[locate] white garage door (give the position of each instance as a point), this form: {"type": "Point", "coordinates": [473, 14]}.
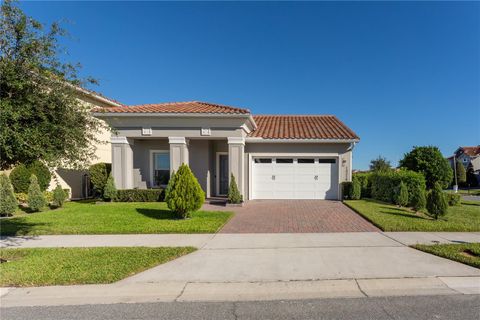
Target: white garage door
{"type": "Point", "coordinates": [294, 178]}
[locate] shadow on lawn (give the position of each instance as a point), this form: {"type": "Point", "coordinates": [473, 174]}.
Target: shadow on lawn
{"type": "Point", "coordinates": [17, 227]}
{"type": "Point", "coordinates": [471, 204]}
{"type": "Point", "coordinates": [402, 213]}
{"type": "Point", "coordinates": [159, 214]}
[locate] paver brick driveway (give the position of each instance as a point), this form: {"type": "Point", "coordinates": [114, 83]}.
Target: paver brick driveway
{"type": "Point", "coordinates": [295, 216]}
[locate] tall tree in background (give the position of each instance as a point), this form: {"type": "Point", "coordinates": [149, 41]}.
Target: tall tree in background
{"type": "Point", "coordinates": [431, 163]}
{"type": "Point", "coordinates": [471, 177]}
{"type": "Point", "coordinates": [380, 164]}
{"type": "Point", "coordinates": [461, 173]}
{"type": "Point", "coordinates": [40, 115]}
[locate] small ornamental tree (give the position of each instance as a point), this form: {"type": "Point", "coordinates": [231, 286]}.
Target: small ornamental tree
{"type": "Point", "coordinates": [401, 195]}
{"type": "Point", "coordinates": [437, 204]}
{"type": "Point", "coordinates": [8, 202]}
{"type": "Point", "coordinates": [461, 174]}
{"type": "Point", "coordinates": [356, 191]}
{"type": "Point", "coordinates": [184, 194]}
{"type": "Point", "coordinates": [380, 164]}
{"type": "Point", "coordinates": [234, 195]}
{"type": "Point", "coordinates": [110, 191]}
{"type": "Point", "coordinates": [418, 199]}
{"type": "Point", "coordinates": [36, 198]}
{"type": "Point", "coordinates": [59, 197]}
{"type": "Point", "coordinates": [430, 162]}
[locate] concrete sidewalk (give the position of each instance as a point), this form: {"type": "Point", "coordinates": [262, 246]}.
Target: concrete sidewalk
{"type": "Point", "coordinates": [236, 291]}
{"type": "Point", "coordinates": [256, 240]}
{"type": "Point", "coordinates": [265, 267]}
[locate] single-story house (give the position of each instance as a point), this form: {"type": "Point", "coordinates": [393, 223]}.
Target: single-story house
{"type": "Point", "coordinates": [271, 156]}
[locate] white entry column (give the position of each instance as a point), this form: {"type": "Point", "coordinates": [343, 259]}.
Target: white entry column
{"type": "Point", "coordinates": [236, 156]}
{"type": "Point", "coordinates": [122, 162]}
{"type": "Point", "coordinates": [178, 152]}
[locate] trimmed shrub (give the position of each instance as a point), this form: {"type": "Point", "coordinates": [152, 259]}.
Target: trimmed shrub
{"type": "Point", "coordinates": [234, 195]}
{"type": "Point", "coordinates": [437, 204]}
{"type": "Point", "coordinates": [140, 195]}
{"type": "Point", "coordinates": [36, 198]}
{"type": "Point", "coordinates": [385, 183]}
{"type": "Point", "coordinates": [59, 197]}
{"type": "Point", "coordinates": [365, 183]}
{"type": "Point", "coordinates": [418, 198]}
{"type": "Point", "coordinates": [99, 173]}
{"type": "Point", "coordinates": [21, 197]}
{"type": "Point", "coordinates": [401, 195]}
{"type": "Point", "coordinates": [453, 199]}
{"type": "Point", "coordinates": [110, 191]}
{"type": "Point", "coordinates": [356, 193]}
{"type": "Point", "coordinates": [20, 176]}
{"type": "Point", "coordinates": [8, 202]}
{"type": "Point", "coordinates": [347, 190]}
{"type": "Point", "coordinates": [184, 194]}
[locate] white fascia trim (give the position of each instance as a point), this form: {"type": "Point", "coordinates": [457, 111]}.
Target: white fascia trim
{"type": "Point", "coordinates": [174, 115]}
{"type": "Point", "coordinates": [236, 140]}
{"type": "Point", "coordinates": [262, 140]}
{"type": "Point", "coordinates": [119, 140]}
{"type": "Point", "coordinates": [97, 97]}
{"type": "Point", "coordinates": [178, 140]}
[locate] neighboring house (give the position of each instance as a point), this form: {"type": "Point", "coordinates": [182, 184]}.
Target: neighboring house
{"type": "Point", "coordinates": [77, 181]}
{"type": "Point", "coordinates": [271, 156]}
{"type": "Point", "coordinates": [468, 156]}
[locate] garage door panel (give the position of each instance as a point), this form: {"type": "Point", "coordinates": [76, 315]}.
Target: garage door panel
{"type": "Point", "coordinates": [294, 179]}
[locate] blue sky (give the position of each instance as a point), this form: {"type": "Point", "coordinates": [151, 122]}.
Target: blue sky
{"type": "Point", "coordinates": [399, 74]}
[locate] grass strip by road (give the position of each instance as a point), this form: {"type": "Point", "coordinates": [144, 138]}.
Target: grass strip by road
{"type": "Point", "coordinates": [388, 217]}
{"type": "Point", "coordinates": [112, 218]}
{"type": "Point", "coordinates": [71, 266]}
{"type": "Point", "coordinates": [467, 253]}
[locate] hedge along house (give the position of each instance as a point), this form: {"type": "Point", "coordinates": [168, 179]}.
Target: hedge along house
{"type": "Point", "coordinates": [271, 156]}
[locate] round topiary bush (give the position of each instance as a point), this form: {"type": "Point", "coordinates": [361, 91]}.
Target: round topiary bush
{"type": "Point", "coordinates": [20, 176]}
{"type": "Point", "coordinates": [437, 204]}
{"type": "Point", "coordinates": [184, 194]}
{"type": "Point", "coordinates": [99, 173]}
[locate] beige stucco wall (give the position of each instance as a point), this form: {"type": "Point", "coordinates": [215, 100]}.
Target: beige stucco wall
{"type": "Point", "coordinates": [73, 179]}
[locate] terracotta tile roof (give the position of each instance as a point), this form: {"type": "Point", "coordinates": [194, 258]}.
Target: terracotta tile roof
{"type": "Point", "coordinates": [301, 127]}
{"type": "Point", "coordinates": [179, 107]}
{"type": "Point", "coordinates": [471, 151]}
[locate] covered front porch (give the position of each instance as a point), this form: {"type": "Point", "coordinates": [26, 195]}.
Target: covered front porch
{"type": "Point", "coordinates": [148, 162]}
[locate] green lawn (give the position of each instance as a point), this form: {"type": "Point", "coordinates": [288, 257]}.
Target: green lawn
{"type": "Point", "coordinates": [391, 218]}
{"type": "Point", "coordinates": [112, 218]}
{"type": "Point", "coordinates": [69, 266]}
{"type": "Point", "coordinates": [468, 253]}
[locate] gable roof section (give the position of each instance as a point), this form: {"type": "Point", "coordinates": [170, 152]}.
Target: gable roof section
{"type": "Point", "coordinates": [301, 127]}
{"type": "Point", "coordinates": [471, 151]}
{"type": "Point", "coordinates": [180, 107]}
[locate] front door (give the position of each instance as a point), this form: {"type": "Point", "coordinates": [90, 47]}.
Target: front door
{"type": "Point", "coordinates": [223, 174]}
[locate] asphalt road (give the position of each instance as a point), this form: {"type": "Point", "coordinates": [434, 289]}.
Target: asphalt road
{"type": "Point", "coordinates": [418, 307]}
